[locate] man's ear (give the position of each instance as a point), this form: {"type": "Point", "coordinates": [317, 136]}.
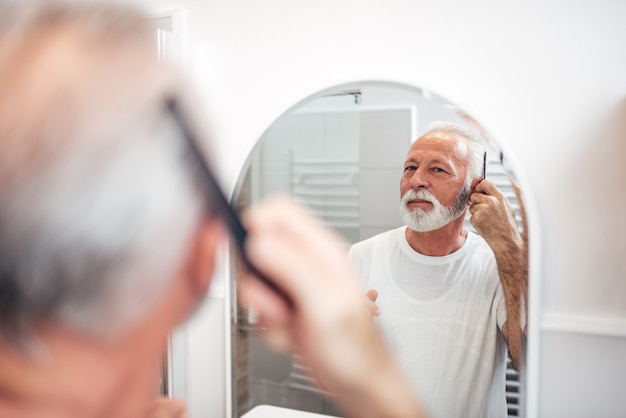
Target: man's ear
{"type": "Point", "coordinates": [201, 262]}
{"type": "Point", "coordinates": [475, 183]}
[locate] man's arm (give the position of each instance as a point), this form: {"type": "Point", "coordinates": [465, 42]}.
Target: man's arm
{"type": "Point", "coordinates": [494, 219]}
{"type": "Point", "coordinates": [327, 324]}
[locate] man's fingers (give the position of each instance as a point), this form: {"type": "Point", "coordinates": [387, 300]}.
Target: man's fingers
{"type": "Point", "coordinates": [478, 198]}
{"type": "Point", "coordinates": [273, 312]}
{"type": "Point", "coordinates": [277, 336]}
{"type": "Point", "coordinates": [372, 294]}
{"type": "Point", "coordinates": [257, 296]}
{"type": "Point", "coordinates": [487, 187]}
{"type": "Point", "coordinates": [290, 246]}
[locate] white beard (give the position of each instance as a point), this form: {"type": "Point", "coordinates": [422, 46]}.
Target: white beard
{"type": "Point", "coordinates": [421, 220]}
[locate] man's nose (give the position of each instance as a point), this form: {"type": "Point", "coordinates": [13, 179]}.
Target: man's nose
{"type": "Point", "coordinates": [419, 179]}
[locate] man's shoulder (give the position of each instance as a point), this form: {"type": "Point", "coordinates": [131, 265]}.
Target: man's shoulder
{"type": "Point", "coordinates": [368, 243]}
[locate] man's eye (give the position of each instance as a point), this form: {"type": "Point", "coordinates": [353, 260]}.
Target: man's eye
{"type": "Point", "coordinates": [410, 168]}
{"type": "Point", "coordinates": [438, 170]}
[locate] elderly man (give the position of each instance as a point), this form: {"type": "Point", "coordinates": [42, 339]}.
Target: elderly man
{"type": "Point", "coordinates": [443, 306]}
{"type": "Point", "coordinates": [108, 241]}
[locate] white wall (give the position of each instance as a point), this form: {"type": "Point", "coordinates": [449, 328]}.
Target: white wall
{"type": "Point", "coordinates": [545, 78]}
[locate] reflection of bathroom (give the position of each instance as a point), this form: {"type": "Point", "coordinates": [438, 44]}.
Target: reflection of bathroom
{"type": "Point", "coordinates": [341, 154]}
{"type": "Point", "coordinates": [544, 78]}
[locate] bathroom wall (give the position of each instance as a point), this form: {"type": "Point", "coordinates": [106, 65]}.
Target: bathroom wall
{"type": "Point", "coordinates": [545, 78]}
{"type": "Point", "coordinates": [344, 158]}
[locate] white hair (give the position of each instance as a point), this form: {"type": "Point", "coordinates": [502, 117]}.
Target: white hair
{"type": "Point", "coordinates": [474, 142]}
{"type": "Point", "coordinates": [98, 200]}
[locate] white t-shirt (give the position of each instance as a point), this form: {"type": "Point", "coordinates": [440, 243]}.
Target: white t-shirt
{"type": "Point", "coordinates": [441, 316]}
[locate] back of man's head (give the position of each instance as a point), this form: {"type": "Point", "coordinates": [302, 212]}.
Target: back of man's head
{"type": "Point", "coordinates": [97, 200]}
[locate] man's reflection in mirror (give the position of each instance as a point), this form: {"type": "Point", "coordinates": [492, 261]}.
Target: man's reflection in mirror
{"type": "Point", "coordinates": [449, 299]}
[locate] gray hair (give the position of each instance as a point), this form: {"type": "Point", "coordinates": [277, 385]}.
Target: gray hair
{"type": "Point", "coordinates": [475, 146]}
{"type": "Point", "coordinates": [98, 201]}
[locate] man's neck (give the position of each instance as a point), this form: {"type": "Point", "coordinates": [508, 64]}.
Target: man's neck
{"type": "Point", "coordinates": [440, 242]}
{"type": "Point", "coordinates": [69, 375]}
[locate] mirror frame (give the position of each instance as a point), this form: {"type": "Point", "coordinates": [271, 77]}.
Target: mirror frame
{"type": "Point", "coordinates": [530, 372]}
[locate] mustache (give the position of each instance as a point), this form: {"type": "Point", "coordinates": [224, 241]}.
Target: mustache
{"type": "Point", "coordinates": [418, 195]}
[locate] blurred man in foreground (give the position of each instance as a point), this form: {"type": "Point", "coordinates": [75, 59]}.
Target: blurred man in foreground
{"type": "Point", "coordinates": [107, 241]}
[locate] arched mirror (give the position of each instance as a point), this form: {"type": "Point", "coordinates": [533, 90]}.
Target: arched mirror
{"type": "Point", "coordinates": [341, 152]}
